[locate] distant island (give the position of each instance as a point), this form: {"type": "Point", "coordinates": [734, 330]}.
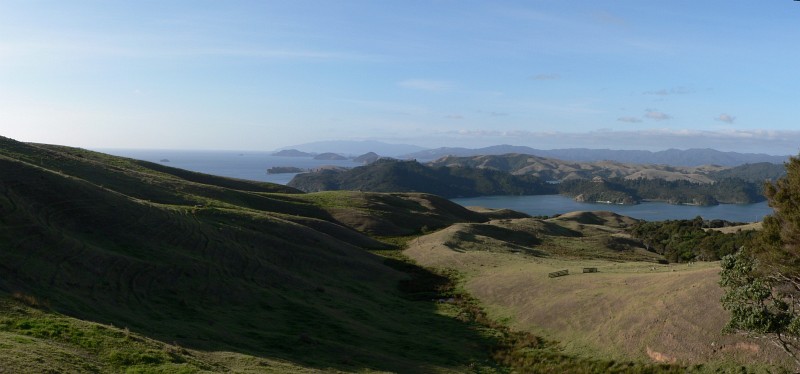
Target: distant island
{"type": "Point", "coordinates": [329, 156]}
{"type": "Point", "coordinates": [367, 158]}
{"type": "Point", "coordinates": [292, 153]}
{"type": "Point", "coordinates": [164, 160]}
{"type": "Point", "coordinates": [284, 170]}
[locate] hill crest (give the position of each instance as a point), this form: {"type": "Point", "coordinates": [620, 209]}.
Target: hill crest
{"type": "Point", "coordinates": [673, 157]}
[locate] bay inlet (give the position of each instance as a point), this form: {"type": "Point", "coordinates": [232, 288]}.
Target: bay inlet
{"type": "Point", "coordinates": [548, 205]}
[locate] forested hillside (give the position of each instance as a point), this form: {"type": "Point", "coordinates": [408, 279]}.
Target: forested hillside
{"type": "Point", "coordinates": [528, 175]}
{"type": "Point", "coordinates": [410, 176]}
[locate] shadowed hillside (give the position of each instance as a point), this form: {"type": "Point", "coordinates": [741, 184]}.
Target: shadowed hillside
{"type": "Point", "coordinates": [114, 265]}
{"type": "Point", "coordinates": [213, 265]}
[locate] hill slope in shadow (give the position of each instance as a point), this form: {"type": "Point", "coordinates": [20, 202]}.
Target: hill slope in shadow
{"type": "Point", "coordinates": [216, 265]}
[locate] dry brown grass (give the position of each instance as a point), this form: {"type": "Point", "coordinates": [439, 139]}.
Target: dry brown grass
{"type": "Point", "coordinates": [602, 218]}
{"type": "Point", "coordinates": [627, 311]}
{"type": "Point", "coordinates": [733, 229]}
{"type": "Point", "coordinates": [670, 176]}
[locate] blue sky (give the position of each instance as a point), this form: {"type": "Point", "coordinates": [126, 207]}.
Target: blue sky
{"type": "Point", "coordinates": [259, 75]}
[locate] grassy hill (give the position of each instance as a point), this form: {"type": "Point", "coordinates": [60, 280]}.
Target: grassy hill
{"type": "Point", "coordinates": [635, 307]}
{"type": "Point", "coordinates": [110, 264]}
{"type": "Point", "coordinates": [554, 169]}
{"type": "Point", "coordinates": [674, 157]}
{"type": "Point", "coordinates": [219, 267]}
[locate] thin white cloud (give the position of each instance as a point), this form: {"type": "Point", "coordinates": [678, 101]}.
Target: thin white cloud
{"type": "Point", "coordinates": [389, 106]}
{"type": "Point", "coordinates": [274, 53]}
{"type": "Point", "coordinates": [629, 119]}
{"type": "Point", "coordinates": [454, 116]}
{"type": "Point", "coordinates": [656, 115]}
{"type": "Point", "coordinates": [727, 118]}
{"type": "Point", "coordinates": [425, 85]}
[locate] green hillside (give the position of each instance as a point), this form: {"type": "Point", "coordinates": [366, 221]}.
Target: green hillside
{"type": "Point", "coordinates": [387, 175]}
{"type": "Point", "coordinates": [115, 265]}
{"type": "Point", "coordinates": [178, 261]}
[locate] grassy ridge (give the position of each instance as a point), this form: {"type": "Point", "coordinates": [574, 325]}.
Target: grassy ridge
{"type": "Point", "coordinates": [216, 269]}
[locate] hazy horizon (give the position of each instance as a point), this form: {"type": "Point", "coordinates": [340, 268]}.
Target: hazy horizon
{"type": "Point", "coordinates": [267, 75]}
{"type": "Point", "coordinates": [313, 147]}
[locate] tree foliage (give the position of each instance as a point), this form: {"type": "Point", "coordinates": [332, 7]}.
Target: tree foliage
{"type": "Point", "coordinates": [689, 240]}
{"type": "Point", "coordinates": [762, 282]}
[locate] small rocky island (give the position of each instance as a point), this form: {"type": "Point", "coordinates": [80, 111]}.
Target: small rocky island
{"type": "Point", "coordinates": [284, 170]}
{"type": "Point", "coordinates": [292, 153]}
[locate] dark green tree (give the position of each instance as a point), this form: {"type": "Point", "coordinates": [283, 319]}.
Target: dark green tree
{"type": "Point", "coordinates": [762, 281]}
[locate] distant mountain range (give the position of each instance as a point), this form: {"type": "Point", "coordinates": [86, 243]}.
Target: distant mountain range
{"type": "Point", "coordinates": [355, 148]}
{"type": "Point", "coordinates": [675, 157]}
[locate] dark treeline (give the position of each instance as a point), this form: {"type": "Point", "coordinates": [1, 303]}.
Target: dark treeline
{"type": "Point", "coordinates": [690, 240]}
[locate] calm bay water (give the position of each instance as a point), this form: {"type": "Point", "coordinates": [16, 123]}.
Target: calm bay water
{"type": "Point", "coordinates": [548, 205]}
{"type": "Point", "coordinates": [243, 165]}
{"type": "Point", "coordinates": [254, 165]}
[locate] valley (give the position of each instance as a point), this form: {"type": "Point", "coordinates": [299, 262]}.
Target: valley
{"type": "Point", "coordinates": [390, 187]}
{"type": "Point", "coordinates": [632, 308]}
{"type": "Point", "coordinates": [113, 264]}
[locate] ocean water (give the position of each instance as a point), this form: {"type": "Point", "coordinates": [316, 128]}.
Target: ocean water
{"type": "Point", "coordinates": [548, 205]}
{"type": "Point", "coordinates": [234, 164]}
{"type": "Point", "coordinates": [254, 165]}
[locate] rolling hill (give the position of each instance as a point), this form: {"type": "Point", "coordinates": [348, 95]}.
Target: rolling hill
{"type": "Point", "coordinates": [633, 306]}
{"type": "Point", "coordinates": [561, 170]}
{"type": "Point", "coordinates": [195, 269]}
{"type": "Point", "coordinates": [387, 175]}
{"type": "Point", "coordinates": [113, 265]}
{"type": "Point", "coordinates": [520, 174]}
{"type": "Point", "coordinates": [673, 157]}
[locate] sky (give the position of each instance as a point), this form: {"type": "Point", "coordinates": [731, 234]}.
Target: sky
{"type": "Point", "coordinates": [261, 75]}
